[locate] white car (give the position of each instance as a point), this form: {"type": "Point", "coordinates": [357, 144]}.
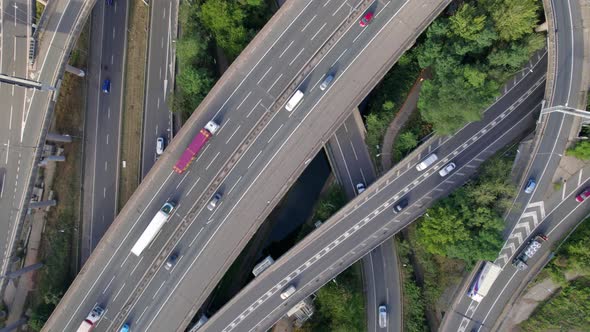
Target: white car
{"type": "Point", "coordinates": [213, 202]}
{"type": "Point", "coordinates": [160, 145]}
{"type": "Point", "coordinates": [360, 187]}
{"type": "Point", "coordinates": [382, 316]}
{"type": "Point", "coordinates": [288, 292]}
{"type": "Point", "coordinates": [447, 169]}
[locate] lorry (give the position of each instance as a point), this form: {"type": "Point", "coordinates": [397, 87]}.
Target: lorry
{"type": "Point", "coordinates": [153, 228]}
{"type": "Point", "coordinates": [529, 251]}
{"type": "Point", "coordinates": [483, 281]}
{"type": "Point", "coordinates": [91, 320]}
{"type": "Point", "coordinates": [190, 153]}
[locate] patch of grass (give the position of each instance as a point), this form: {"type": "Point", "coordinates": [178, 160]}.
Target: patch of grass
{"type": "Point", "coordinates": [329, 203]}
{"type": "Point", "coordinates": [568, 310]}
{"type": "Point", "coordinates": [39, 8]}
{"type": "Point", "coordinates": [414, 310]}
{"type": "Point", "coordinates": [132, 120]}
{"type": "Point", "coordinates": [59, 244]}
{"type": "Point", "coordinates": [557, 185]}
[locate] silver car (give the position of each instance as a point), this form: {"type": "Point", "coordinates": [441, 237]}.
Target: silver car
{"type": "Point", "coordinates": [382, 316]}
{"type": "Point", "coordinates": [327, 81]}
{"type": "Point", "coordinates": [213, 202]}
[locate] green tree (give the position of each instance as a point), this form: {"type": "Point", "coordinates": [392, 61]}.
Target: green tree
{"type": "Point", "coordinates": [407, 141]}
{"type": "Point", "coordinates": [581, 150]}
{"type": "Point", "coordinates": [514, 19]}
{"type": "Point", "coordinates": [225, 20]}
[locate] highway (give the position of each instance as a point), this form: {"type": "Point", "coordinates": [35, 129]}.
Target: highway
{"type": "Point", "coordinates": [157, 121]}
{"type": "Point", "coordinates": [554, 132]}
{"type": "Point", "coordinates": [369, 220]}
{"type": "Point", "coordinates": [351, 162]}
{"type": "Point", "coordinates": [136, 289]}
{"type": "Point", "coordinates": [31, 115]}
{"type": "Point", "coordinates": [563, 217]}
{"type": "Point", "coordinates": [103, 121]}
{"type": "Point", "coordinates": [13, 62]}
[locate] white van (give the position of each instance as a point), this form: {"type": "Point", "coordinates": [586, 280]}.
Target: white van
{"type": "Point", "coordinates": [294, 101]}
{"type": "Point", "coordinates": [288, 292]}
{"type": "Point", "coordinates": [424, 164]}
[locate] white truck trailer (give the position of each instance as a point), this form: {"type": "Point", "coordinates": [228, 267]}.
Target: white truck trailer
{"type": "Point", "coordinates": [483, 281]}
{"type": "Point", "coordinates": [153, 228]}
{"type": "Point", "coordinates": [91, 320]}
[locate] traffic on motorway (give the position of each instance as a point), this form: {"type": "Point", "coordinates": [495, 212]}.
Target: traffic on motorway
{"type": "Point", "coordinates": [221, 176]}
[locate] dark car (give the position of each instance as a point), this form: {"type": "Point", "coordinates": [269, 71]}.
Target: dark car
{"type": "Point", "coordinates": [583, 195]}
{"type": "Point", "coordinates": [171, 261]}
{"type": "Point", "coordinates": [106, 86]}
{"type": "Point", "coordinates": [366, 19]}
{"type": "Point", "coordinates": [400, 205]}
{"type": "Point", "coordinates": [110, 2]}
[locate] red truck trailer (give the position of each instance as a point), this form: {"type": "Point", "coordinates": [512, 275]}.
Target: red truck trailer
{"type": "Point", "coordinates": [196, 145]}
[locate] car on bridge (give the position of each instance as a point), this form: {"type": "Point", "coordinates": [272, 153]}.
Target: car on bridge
{"type": "Point", "coordinates": [367, 18]}
{"type": "Point", "coordinates": [106, 86]}
{"type": "Point", "coordinates": [583, 195]}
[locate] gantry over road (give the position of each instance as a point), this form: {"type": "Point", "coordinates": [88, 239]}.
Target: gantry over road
{"type": "Point", "coordinates": [258, 152]}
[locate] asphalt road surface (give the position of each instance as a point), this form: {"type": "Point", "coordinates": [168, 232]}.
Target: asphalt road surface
{"type": "Point", "coordinates": [136, 289]}
{"type": "Point", "coordinates": [483, 316]}
{"type": "Point", "coordinates": [13, 62]}
{"type": "Point", "coordinates": [369, 220]}
{"type": "Point", "coordinates": [157, 121]}
{"type": "Point", "coordinates": [29, 116]}
{"type": "Point", "coordinates": [103, 121]}
{"type": "Point", "coordinates": [526, 217]}
{"type": "Point", "coordinates": [352, 165]}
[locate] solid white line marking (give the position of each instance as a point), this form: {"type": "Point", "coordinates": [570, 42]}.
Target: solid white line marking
{"type": "Point", "coordinates": [243, 100]}
{"type": "Point", "coordinates": [232, 135]}
{"type": "Point", "coordinates": [235, 184]}
{"type": "Point", "coordinates": [315, 35]}
{"type": "Point", "coordinates": [308, 23]}
{"type": "Point", "coordinates": [212, 160]}
{"type": "Point", "coordinates": [263, 76]}
{"type": "Point", "coordinates": [107, 287]}
{"type": "Point", "coordinates": [273, 135]}
{"type": "Point", "coordinates": [285, 50]}
{"type": "Point", "coordinates": [295, 58]}
{"type": "Point", "coordinates": [253, 160]}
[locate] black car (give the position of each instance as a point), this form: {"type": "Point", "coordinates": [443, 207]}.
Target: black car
{"type": "Point", "coordinates": [400, 205]}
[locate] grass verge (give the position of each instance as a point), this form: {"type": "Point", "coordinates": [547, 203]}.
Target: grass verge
{"type": "Point", "coordinates": [132, 118]}
{"type": "Point", "coordinates": [58, 247]}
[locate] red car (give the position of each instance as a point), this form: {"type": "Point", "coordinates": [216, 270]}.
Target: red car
{"type": "Point", "coordinates": [583, 195]}
{"type": "Point", "coordinates": [366, 19]}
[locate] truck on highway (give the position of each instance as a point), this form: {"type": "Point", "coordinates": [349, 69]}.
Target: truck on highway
{"type": "Point", "coordinates": [483, 281]}
{"type": "Point", "coordinates": [529, 251]}
{"type": "Point", "coordinates": [153, 228]}
{"type": "Point", "coordinates": [91, 320]}
{"type": "Point", "coordinates": [190, 153]}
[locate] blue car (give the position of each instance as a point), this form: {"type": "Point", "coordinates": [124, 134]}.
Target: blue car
{"type": "Point", "coordinates": [106, 86]}
{"type": "Point", "coordinates": [110, 2]}
{"type": "Point", "coordinates": [124, 328]}
{"type": "Point", "coordinates": [530, 186]}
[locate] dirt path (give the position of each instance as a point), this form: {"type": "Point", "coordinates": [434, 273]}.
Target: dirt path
{"type": "Point", "coordinates": [398, 122]}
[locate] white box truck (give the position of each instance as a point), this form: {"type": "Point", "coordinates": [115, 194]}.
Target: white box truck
{"type": "Point", "coordinates": [153, 228]}
{"type": "Point", "coordinates": [483, 281]}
